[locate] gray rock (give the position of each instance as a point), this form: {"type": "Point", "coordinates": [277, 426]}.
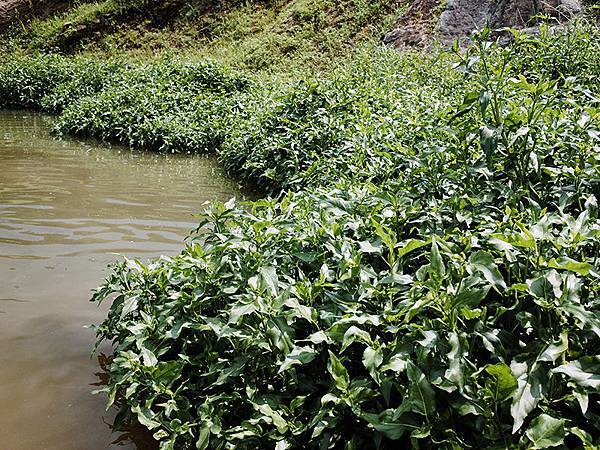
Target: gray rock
{"type": "Point", "coordinates": [462, 17]}
{"type": "Point", "coordinates": [569, 8]}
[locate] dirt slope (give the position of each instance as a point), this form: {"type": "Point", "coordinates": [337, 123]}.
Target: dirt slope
{"type": "Point", "coordinates": [9, 9]}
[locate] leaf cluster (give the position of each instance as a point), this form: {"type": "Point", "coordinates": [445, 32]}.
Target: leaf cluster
{"type": "Point", "coordinates": [428, 277]}
{"type": "Point", "coordinates": [444, 295]}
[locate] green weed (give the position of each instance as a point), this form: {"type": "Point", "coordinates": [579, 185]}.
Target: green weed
{"type": "Point", "coordinates": [436, 287]}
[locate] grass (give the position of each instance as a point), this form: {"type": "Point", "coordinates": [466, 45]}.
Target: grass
{"type": "Point", "coordinates": [273, 36]}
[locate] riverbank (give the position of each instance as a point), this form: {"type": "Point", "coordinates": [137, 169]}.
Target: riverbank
{"type": "Point", "coordinates": [428, 272]}
{"type": "Point", "coordinates": [271, 134]}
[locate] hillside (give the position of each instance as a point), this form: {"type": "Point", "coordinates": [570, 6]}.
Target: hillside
{"type": "Point", "coordinates": [251, 35]}
{"type": "Point", "coordinates": [269, 34]}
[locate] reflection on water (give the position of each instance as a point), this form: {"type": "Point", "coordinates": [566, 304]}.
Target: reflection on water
{"type": "Point", "coordinates": [66, 209]}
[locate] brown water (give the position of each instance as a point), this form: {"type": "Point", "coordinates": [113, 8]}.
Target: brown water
{"type": "Point", "coordinates": [66, 208]}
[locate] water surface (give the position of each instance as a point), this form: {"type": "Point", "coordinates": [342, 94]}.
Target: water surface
{"type": "Point", "coordinates": [66, 208]}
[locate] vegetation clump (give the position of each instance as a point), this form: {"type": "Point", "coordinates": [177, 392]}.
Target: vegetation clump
{"type": "Point", "coordinates": [427, 276]}
{"type": "Point", "coordinates": [444, 296]}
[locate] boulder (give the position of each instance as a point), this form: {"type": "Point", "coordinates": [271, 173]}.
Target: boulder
{"type": "Point", "coordinates": [459, 18]}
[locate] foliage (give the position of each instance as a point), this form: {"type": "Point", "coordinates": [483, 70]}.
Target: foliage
{"type": "Point", "coordinates": [444, 295]}
{"type": "Point", "coordinates": [428, 277]}
{"type": "Point", "coordinates": [169, 105]}
{"type": "Point", "coordinates": [560, 55]}
{"type": "Point", "coordinates": [52, 82]}
{"type": "Point", "coordinates": [317, 130]}
{"type": "Point", "coordinates": [173, 106]}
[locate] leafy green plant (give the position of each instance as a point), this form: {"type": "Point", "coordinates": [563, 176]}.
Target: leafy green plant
{"type": "Point", "coordinates": [444, 296]}
{"type": "Point", "coordinates": [308, 323]}
{"type": "Point", "coordinates": [169, 106]}
{"type": "Point", "coordinates": [427, 277]}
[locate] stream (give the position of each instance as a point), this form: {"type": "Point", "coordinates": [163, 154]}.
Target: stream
{"type": "Point", "coordinates": [68, 208]}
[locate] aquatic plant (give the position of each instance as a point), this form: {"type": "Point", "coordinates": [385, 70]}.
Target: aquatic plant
{"type": "Point", "coordinates": [168, 105]}
{"type": "Point", "coordinates": [444, 295]}
{"type": "Point", "coordinates": [428, 275]}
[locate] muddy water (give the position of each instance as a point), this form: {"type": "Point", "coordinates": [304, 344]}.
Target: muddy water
{"type": "Point", "coordinates": [66, 208]}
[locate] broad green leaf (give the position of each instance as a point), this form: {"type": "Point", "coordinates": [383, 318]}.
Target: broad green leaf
{"type": "Point", "coordinates": [241, 310]}
{"type": "Point", "coordinates": [409, 246]}
{"type": "Point", "coordinates": [397, 279]}
{"type": "Point", "coordinates": [556, 350]}
{"type": "Point", "coordinates": [148, 357]}
{"type": "Point", "coordinates": [270, 279]}
{"type": "Point", "coordinates": [546, 431]}
{"type": "Point", "coordinates": [585, 373]}
{"type": "Point", "coordinates": [421, 395]}
{"type": "Point", "coordinates": [203, 438]}
{"type": "Point", "coordinates": [455, 373]}
{"type": "Point", "coordinates": [437, 264]}
{"type": "Point", "coordinates": [381, 423]}
{"type": "Point", "coordinates": [583, 399]}
{"type": "Point", "coordinates": [231, 371]}
{"type": "Point", "coordinates": [547, 287]}
{"type": "Point", "coordinates": [307, 257]}
{"type": "Point", "coordinates": [396, 364]}
{"type": "Point", "coordinates": [338, 372]}
{"type": "Point", "coordinates": [272, 416]}
{"type": "Point", "coordinates": [469, 297]}
{"type": "Point", "coordinates": [385, 235]}
{"type": "Point", "coordinates": [372, 359]}
{"type": "Point", "coordinates": [298, 356]}
{"type": "Point", "coordinates": [368, 247]}
{"type": "Point", "coordinates": [145, 417]}
{"type": "Point", "coordinates": [489, 142]}
{"type": "Point", "coordinates": [582, 268]}
{"type": "Point", "coordinates": [130, 305]}
{"type": "Point", "coordinates": [505, 383]}
{"type": "Point", "coordinates": [484, 262]}
{"type": "Point", "coordinates": [526, 396]}
{"type": "Point", "coordinates": [352, 334]}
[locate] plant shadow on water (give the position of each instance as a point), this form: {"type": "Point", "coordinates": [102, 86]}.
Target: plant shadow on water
{"type": "Point", "coordinates": [127, 433]}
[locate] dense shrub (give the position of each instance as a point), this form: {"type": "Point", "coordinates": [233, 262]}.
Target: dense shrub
{"type": "Point", "coordinates": [26, 83]}
{"type": "Point", "coordinates": [428, 277]}
{"type": "Point", "coordinates": [170, 106]}
{"type": "Point", "coordinates": [559, 55]}
{"type": "Point", "coordinates": [52, 82]}
{"type": "Point", "coordinates": [307, 324]}
{"type": "Point", "coordinates": [318, 130]}
{"type": "Point", "coordinates": [445, 296]}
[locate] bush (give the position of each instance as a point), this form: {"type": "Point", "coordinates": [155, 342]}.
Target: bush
{"type": "Point", "coordinates": [51, 82]}
{"type": "Point", "coordinates": [428, 277]}
{"type": "Point", "coordinates": [559, 55]}
{"type": "Point", "coordinates": [168, 105]}
{"type": "Point", "coordinates": [446, 296]}
{"type": "Point", "coordinates": [306, 324]}
{"type": "Point", "coordinates": [310, 132]}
